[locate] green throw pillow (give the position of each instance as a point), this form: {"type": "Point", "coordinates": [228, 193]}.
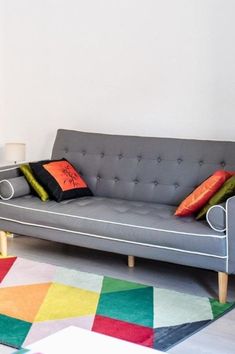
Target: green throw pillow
{"type": "Point", "coordinates": [27, 172]}
{"type": "Point", "coordinates": [227, 190]}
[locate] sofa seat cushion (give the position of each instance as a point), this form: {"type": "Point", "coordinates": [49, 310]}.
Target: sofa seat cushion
{"type": "Point", "coordinates": [149, 224]}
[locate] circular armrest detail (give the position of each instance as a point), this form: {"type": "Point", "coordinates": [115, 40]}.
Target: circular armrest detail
{"type": "Point", "coordinates": [216, 217]}
{"type": "Point", "coordinates": [13, 188]}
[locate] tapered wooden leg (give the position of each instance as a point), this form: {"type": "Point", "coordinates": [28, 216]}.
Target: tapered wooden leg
{"type": "Point", "coordinates": [131, 261]}
{"type": "Point", "coordinates": [223, 287]}
{"type": "Point", "coordinates": [3, 243]}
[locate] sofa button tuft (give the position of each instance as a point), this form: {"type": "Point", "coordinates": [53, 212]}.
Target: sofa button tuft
{"type": "Point", "coordinates": [136, 181]}
{"type": "Point", "coordinates": [176, 185]}
{"type": "Point", "coordinates": [139, 157]}
{"type": "Point", "coordinates": [98, 178]}
{"type": "Point", "coordinates": [102, 155]}
{"type": "Point", "coordinates": [116, 179]}
{"type": "Point", "coordinates": [84, 152]}
{"type": "Point", "coordinates": [223, 163]}
{"type": "Point", "coordinates": [155, 183]}
{"type": "Point", "coordinates": [159, 159]}
{"type": "Point", "coordinates": [120, 156]}
{"type": "Point", "coordinates": [179, 161]}
{"type": "Point", "coordinates": [201, 162]}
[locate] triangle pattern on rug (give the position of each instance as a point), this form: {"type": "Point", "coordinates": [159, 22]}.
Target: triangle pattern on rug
{"type": "Point", "coordinates": [111, 285]}
{"type": "Point", "coordinates": [123, 330]}
{"type": "Point", "coordinates": [64, 301]}
{"type": "Point", "coordinates": [217, 308]}
{"type": "Point", "coordinates": [13, 331]}
{"type": "Point", "coordinates": [185, 308]}
{"type": "Point", "coordinates": [5, 266]}
{"type": "Point", "coordinates": [36, 273]}
{"type": "Point", "coordinates": [78, 279]}
{"type": "Point", "coordinates": [23, 302]}
{"type": "Point", "coordinates": [166, 337]}
{"type": "Point", "coordinates": [40, 330]}
{"type": "Point", "coordinates": [142, 314]}
{"type": "Point", "coordinates": [133, 306]}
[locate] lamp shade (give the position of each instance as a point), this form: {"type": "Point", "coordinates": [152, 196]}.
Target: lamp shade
{"type": "Point", "coordinates": [14, 152]}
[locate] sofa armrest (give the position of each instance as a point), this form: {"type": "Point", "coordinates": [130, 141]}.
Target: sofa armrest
{"type": "Point", "coordinates": [230, 216]}
{"type": "Point", "coordinates": [10, 171]}
{"type": "Point", "coordinates": [216, 217]}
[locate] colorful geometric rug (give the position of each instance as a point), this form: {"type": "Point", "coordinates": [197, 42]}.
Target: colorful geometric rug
{"type": "Point", "coordinates": [38, 299]}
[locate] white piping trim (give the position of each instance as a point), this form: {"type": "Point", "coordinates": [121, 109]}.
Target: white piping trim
{"type": "Point", "coordinates": [115, 239]}
{"type": "Point", "coordinates": [11, 187]}
{"type": "Point", "coordinates": [9, 169]}
{"type": "Point", "coordinates": [209, 222]}
{"type": "Point", "coordinates": [112, 222]}
{"type": "Point", "coordinates": [227, 246]}
{"type": "Point", "coordinates": [227, 236]}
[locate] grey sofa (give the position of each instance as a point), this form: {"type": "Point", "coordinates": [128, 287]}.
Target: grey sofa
{"type": "Point", "coordinates": [137, 184]}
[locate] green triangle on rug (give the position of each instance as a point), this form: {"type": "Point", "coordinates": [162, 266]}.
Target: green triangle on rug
{"type": "Point", "coordinates": [217, 308]}
{"type": "Point", "coordinates": [132, 306]}
{"type": "Point", "coordinates": [111, 285]}
{"type": "Point", "coordinates": [13, 331]}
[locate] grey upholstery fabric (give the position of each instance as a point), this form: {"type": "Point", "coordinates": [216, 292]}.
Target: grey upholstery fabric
{"type": "Point", "coordinates": [13, 188]}
{"type": "Point", "coordinates": [216, 217]}
{"type": "Point", "coordinates": [137, 223]}
{"type": "Point", "coordinates": [230, 213]}
{"type": "Point", "coordinates": [11, 171]}
{"type": "Point", "coordinates": [148, 223]}
{"type": "Point", "coordinates": [139, 250]}
{"type": "Point", "coordinates": [147, 169]}
{"type": "Point", "coordinates": [137, 183]}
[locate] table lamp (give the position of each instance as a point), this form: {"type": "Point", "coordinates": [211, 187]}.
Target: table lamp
{"type": "Point", "coordinates": [15, 152]}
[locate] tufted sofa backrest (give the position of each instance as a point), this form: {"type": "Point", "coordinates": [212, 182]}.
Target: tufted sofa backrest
{"type": "Point", "coordinates": [161, 170]}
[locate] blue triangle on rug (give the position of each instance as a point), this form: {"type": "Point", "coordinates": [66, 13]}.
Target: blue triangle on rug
{"type": "Point", "coordinates": [166, 337]}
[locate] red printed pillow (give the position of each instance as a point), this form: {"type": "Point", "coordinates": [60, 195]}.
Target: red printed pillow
{"type": "Point", "coordinates": [200, 196]}
{"type": "Point", "coordinates": [60, 179]}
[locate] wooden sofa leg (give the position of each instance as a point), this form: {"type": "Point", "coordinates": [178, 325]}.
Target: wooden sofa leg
{"type": "Point", "coordinates": [3, 243]}
{"type": "Point", "coordinates": [223, 287]}
{"type": "Point", "coordinates": [131, 261]}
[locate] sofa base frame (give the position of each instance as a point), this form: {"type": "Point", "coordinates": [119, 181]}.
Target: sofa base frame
{"type": "Point", "coordinates": [222, 277]}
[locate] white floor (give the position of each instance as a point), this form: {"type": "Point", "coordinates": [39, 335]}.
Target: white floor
{"type": "Point", "coordinates": [217, 338]}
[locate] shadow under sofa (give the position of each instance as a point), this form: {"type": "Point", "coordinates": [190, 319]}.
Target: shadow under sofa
{"type": "Point", "coordinates": [137, 183]}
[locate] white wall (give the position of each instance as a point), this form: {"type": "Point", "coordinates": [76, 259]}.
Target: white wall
{"type": "Point", "coordinates": [139, 67]}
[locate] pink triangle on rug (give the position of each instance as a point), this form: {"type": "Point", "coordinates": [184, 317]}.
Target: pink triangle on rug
{"type": "Point", "coordinates": [5, 266]}
{"type": "Point", "coordinates": [27, 272]}
{"type": "Point", "coordinates": [41, 330]}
